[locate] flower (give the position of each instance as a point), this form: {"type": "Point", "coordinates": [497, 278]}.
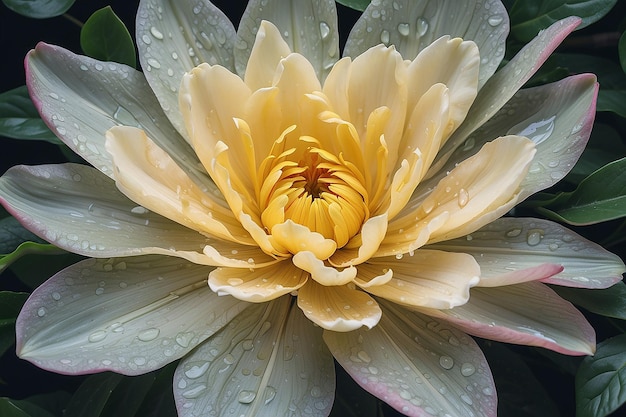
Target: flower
{"type": "Point", "coordinates": [348, 208]}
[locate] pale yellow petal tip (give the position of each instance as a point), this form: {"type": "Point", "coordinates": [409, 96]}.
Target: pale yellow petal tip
{"type": "Point", "coordinates": [344, 325]}
{"type": "Point", "coordinates": [325, 275]}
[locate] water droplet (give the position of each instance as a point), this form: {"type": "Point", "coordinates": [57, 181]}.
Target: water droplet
{"type": "Point", "coordinates": [229, 359]}
{"type": "Point", "coordinates": [41, 312]}
{"type": "Point", "coordinates": [534, 236]}
{"type": "Point", "coordinates": [56, 296]}
{"type": "Point", "coordinates": [495, 20]}
{"type": "Point", "coordinates": [446, 362]}
{"type": "Point", "coordinates": [467, 369]}
{"type": "Point", "coordinates": [324, 30]}
{"type": "Point", "coordinates": [97, 336]}
{"type": "Point", "coordinates": [404, 29]}
{"type": "Point", "coordinates": [146, 39]}
{"type": "Point", "coordinates": [246, 397]}
{"type": "Point", "coordinates": [384, 36]}
{"type": "Point", "coordinates": [422, 26]}
{"type": "Point", "coordinates": [316, 392]}
{"type": "Point", "coordinates": [184, 338]}
{"type": "Point", "coordinates": [156, 33]}
{"type": "Point", "coordinates": [269, 394]}
{"type": "Point", "coordinates": [139, 360]}
{"type": "Point", "coordinates": [463, 197]}
{"type": "Point", "coordinates": [148, 334]}
{"type": "Point", "coordinates": [154, 63]}
{"type": "Point", "coordinates": [537, 131]}
{"type": "Point", "coordinates": [466, 399]}
{"type": "Point", "coordinates": [197, 371]}
{"type": "Point", "coordinates": [513, 232]}
{"type": "Point", "coordinates": [99, 291]}
{"type": "Point", "coordinates": [247, 344]}
{"type": "Point", "coordinates": [362, 355]}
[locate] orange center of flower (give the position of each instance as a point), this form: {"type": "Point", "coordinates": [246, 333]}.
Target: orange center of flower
{"type": "Point", "coordinates": [316, 189]}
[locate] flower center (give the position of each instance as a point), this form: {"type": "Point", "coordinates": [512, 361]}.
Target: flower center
{"type": "Point", "coordinates": [316, 189]}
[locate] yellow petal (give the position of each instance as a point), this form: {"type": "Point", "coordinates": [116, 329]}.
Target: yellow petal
{"type": "Point", "coordinates": [296, 238]}
{"type": "Point", "coordinates": [426, 278]}
{"type": "Point", "coordinates": [452, 62]}
{"type": "Point", "coordinates": [260, 284]}
{"type": "Point", "coordinates": [149, 177]}
{"type": "Point", "coordinates": [269, 48]}
{"type": "Point", "coordinates": [320, 272]}
{"type": "Point", "coordinates": [368, 241]}
{"type": "Point", "coordinates": [340, 309]}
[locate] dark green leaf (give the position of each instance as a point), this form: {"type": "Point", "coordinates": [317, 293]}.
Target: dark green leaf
{"type": "Point", "coordinates": [19, 118]}
{"type": "Point", "coordinates": [600, 380]}
{"type": "Point", "coordinates": [528, 17]}
{"type": "Point", "coordinates": [622, 51]}
{"type": "Point", "coordinates": [355, 4]}
{"type": "Point", "coordinates": [10, 306]}
{"type": "Point", "coordinates": [92, 396]}
{"type": "Point", "coordinates": [39, 9]}
{"type": "Point", "coordinates": [13, 234]}
{"type": "Point", "coordinates": [105, 37]}
{"type": "Point", "coordinates": [610, 302]}
{"type": "Point", "coordinates": [613, 101]}
{"type": "Point", "coordinates": [28, 248]}
{"type": "Point", "coordinates": [21, 408]}
{"type": "Point", "coordinates": [159, 401]}
{"type": "Point", "coordinates": [599, 197]}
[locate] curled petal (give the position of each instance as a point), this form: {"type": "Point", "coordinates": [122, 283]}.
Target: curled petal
{"type": "Point", "coordinates": [425, 278]}
{"type": "Point", "coordinates": [259, 284]}
{"type": "Point", "coordinates": [320, 272]}
{"type": "Point", "coordinates": [297, 238]}
{"type": "Point", "coordinates": [338, 308]}
{"type": "Point", "coordinates": [128, 315]}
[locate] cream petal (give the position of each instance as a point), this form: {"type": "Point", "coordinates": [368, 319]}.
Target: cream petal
{"type": "Point", "coordinates": [506, 82]}
{"type": "Point", "coordinates": [268, 50]}
{"type": "Point", "coordinates": [412, 25]}
{"type": "Point", "coordinates": [372, 234]}
{"type": "Point", "coordinates": [296, 238]}
{"type": "Point", "coordinates": [338, 308]}
{"type": "Point", "coordinates": [309, 28]}
{"type": "Point", "coordinates": [511, 246]}
{"type": "Point", "coordinates": [81, 98]}
{"type": "Point", "coordinates": [148, 176]}
{"type": "Point", "coordinates": [528, 313]}
{"type": "Point", "coordinates": [454, 63]}
{"type": "Point", "coordinates": [378, 63]}
{"type": "Point", "coordinates": [79, 209]}
{"type": "Point", "coordinates": [259, 284]}
{"type": "Point", "coordinates": [320, 272]}
{"type": "Point", "coordinates": [128, 315]}
{"type": "Point", "coordinates": [170, 45]}
{"type": "Point", "coordinates": [425, 278]}
{"type": "Point", "coordinates": [478, 190]}
{"type": "Point", "coordinates": [418, 365]}
{"type": "Point", "coordinates": [256, 365]}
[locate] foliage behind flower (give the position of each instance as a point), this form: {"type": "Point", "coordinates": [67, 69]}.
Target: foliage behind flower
{"type": "Point", "coordinates": [368, 189]}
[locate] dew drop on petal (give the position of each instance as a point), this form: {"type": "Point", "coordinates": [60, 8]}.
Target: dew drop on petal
{"type": "Point", "coordinates": [97, 336]}
{"type": "Point", "coordinates": [41, 311]}
{"type": "Point", "coordinates": [534, 236]}
{"type": "Point", "coordinates": [446, 362]}
{"type": "Point", "coordinates": [422, 26]}
{"type": "Point", "coordinates": [197, 371]}
{"type": "Point", "coordinates": [495, 20]}
{"type": "Point", "coordinates": [148, 334]}
{"type": "Point", "coordinates": [404, 29]}
{"type": "Point", "coordinates": [467, 369]}
{"type": "Point", "coordinates": [324, 30]}
{"type": "Point", "coordinates": [246, 397]}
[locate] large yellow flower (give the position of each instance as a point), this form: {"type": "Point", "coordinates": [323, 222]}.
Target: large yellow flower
{"type": "Point", "coordinates": [369, 189]}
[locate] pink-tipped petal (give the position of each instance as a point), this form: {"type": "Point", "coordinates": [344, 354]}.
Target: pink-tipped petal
{"type": "Point", "coordinates": [128, 315]}
{"type": "Point", "coordinates": [418, 365]}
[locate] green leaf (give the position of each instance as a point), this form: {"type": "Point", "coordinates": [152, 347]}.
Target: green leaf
{"type": "Point", "coordinates": [355, 4]}
{"type": "Point", "coordinates": [609, 302]}
{"type": "Point", "coordinates": [613, 101]}
{"type": "Point", "coordinates": [528, 17]}
{"type": "Point", "coordinates": [622, 51]}
{"type": "Point", "coordinates": [20, 120]}
{"type": "Point", "coordinates": [39, 9]}
{"type": "Point", "coordinates": [599, 197]}
{"type": "Point", "coordinates": [21, 408]}
{"type": "Point", "coordinates": [600, 379]}
{"type": "Point", "coordinates": [13, 234]}
{"type": "Point", "coordinates": [113, 395]}
{"type": "Point", "coordinates": [105, 37]}
{"type": "Point", "coordinates": [10, 306]}
{"type": "Point", "coordinates": [29, 248]}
